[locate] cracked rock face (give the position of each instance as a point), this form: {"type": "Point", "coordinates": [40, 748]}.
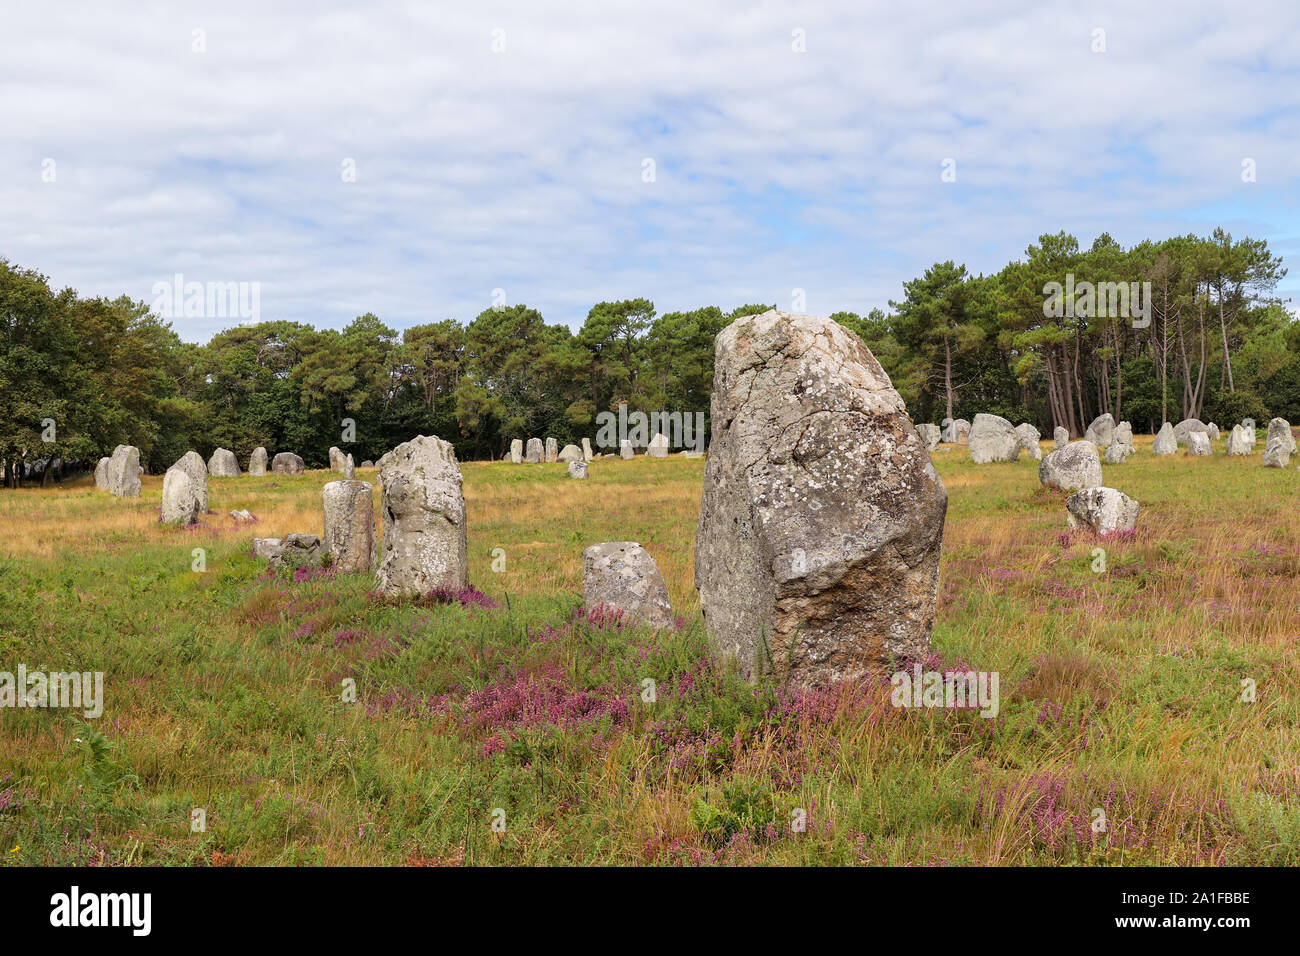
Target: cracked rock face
{"type": "Point", "coordinates": [424, 519]}
{"type": "Point", "coordinates": [350, 525]}
{"type": "Point", "coordinates": [124, 472]}
{"type": "Point", "coordinates": [185, 490]}
{"type": "Point", "coordinates": [817, 550]}
{"type": "Point", "coordinates": [1072, 468]}
{"type": "Point", "coordinates": [622, 575]}
{"type": "Point", "coordinates": [586, 450]}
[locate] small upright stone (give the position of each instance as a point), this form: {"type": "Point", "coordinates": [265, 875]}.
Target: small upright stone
{"type": "Point", "coordinates": [1060, 437]}
{"type": "Point", "coordinates": [336, 459]}
{"type": "Point", "coordinates": [534, 454]}
{"type": "Point", "coordinates": [1029, 438]}
{"type": "Point", "coordinates": [552, 451]}
{"type": "Point", "coordinates": [1248, 432]}
{"type": "Point", "coordinates": [516, 451]}
{"type": "Point", "coordinates": [1187, 427]}
{"type": "Point", "coordinates": [1237, 442]}
{"type": "Point", "coordinates": [223, 464]}
{"type": "Point", "coordinates": [578, 469]}
{"type": "Point", "coordinates": [1104, 510]}
{"type": "Point", "coordinates": [993, 439]}
{"type": "Point", "coordinates": [570, 453]}
{"type": "Point", "coordinates": [1118, 453]}
{"type": "Point", "coordinates": [625, 450]}
{"type": "Point", "coordinates": [257, 462]}
{"type": "Point", "coordinates": [1280, 428]}
{"type": "Point", "coordinates": [1165, 443]}
{"type": "Point", "coordinates": [124, 472]}
{"type": "Point", "coordinates": [586, 450]}
{"type": "Point", "coordinates": [1072, 468]}
{"type": "Point", "coordinates": [350, 525]}
{"type": "Point", "coordinates": [349, 467]}
{"type": "Point", "coordinates": [1212, 430]}
{"type": "Point", "coordinates": [622, 576]}
{"type": "Point", "coordinates": [101, 474]}
{"type": "Point", "coordinates": [185, 490]}
{"type": "Point", "coordinates": [1124, 433]}
{"type": "Point", "coordinates": [1198, 443]}
{"type": "Point", "coordinates": [931, 435]}
{"type": "Point", "coordinates": [424, 519]}
{"type": "Point", "coordinates": [287, 463]}
{"type": "Point", "coordinates": [958, 432]}
{"type": "Point", "coordinates": [658, 447]}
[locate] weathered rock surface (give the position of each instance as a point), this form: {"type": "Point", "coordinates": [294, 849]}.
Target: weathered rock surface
{"type": "Point", "coordinates": [1198, 443]}
{"type": "Point", "coordinates": [287, 463]}
{"type": "Point", "coordinates": [625, 450]}
{"type": "Point", "coordinates": [1102, 431]}
{"type": "Point", "coordinates": [336, 459]}
{"type": "Point", "coordinates": [424, 543]}
{"type": "Point", "coordinates": [1248, 432]}
{"type": "Point", "coordinates": [1104, 510]}
{"type": "Point", "coordinates": [658, 447]}
{"type": "Point", "coordinates": [571, 453]}
{"type": "Point", "coordinates": [185, 490]}
{"type": "Point", "coordinates": [931, 435]}
{"type": "Point", "coordinates": [293, 550]}
{"type": "Point", "coordinates": [1237, 442]}
{"type": "Point", "coordinates": [552, 451]}
{"type": "Point", "coordinates": [1124, 433]}
{"type": "Point", "coordinates": [516, 451]}
{"type": "Point", "coordinates": [817, 549]}
{"type": "Point", "coordinates": [534, 454]}
{"type": "Point", "coordinates": [993, 439]}
{"type": "Point", "coordinates": [1072, 468]}
{"type": "Point", "coordinates": [349, 538]}
{"type": "Point", "coordinates": [1211, 430]}
{"type": "Point", "coordinates": [367, 464]}
{"type": "Point", "coordinates": [101, 474]}
{"type": "Point", "coordinates": [257, 462]}
{"type": "Point", "coordinates": [223, 464]}
{"type": "Point", "coordinates": [958, 431]}
{"type": "Point", "coordinates": [622, 576]}
{"type": "Point", "coordinates": [1186, 427]}
{"type": "Point", "coordinates": [586, 450]}
{"type": "Point", "coordinates": [349, 467]}
{"type": "Point", "coordinates": [1029, 438]}
{"type": "Point", "coordinates": [124, 472]}
{"type": "Point", "coordinates": [578, 469]}
{"type": "Point", "coordinates": [1166, 443]}
{"type": "Point", "coordinates": [1118, 453]}
{"type": "Point", "coordinates": [1280, 428]}
{"type": "Point", "coordinates": [1060, 437]}
{"type": "Point", "coordinates": [1277, 453]}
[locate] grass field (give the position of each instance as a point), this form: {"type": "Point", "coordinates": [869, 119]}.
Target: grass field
{"type": "Point", "coordinates": [1121, 690]}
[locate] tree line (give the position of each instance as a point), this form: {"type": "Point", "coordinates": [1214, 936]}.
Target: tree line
{"type": "Point", "coordinates": [1188, 327]}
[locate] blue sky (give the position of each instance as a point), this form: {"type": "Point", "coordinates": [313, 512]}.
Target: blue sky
{"type": "Point", "coordinates": [520, 168]}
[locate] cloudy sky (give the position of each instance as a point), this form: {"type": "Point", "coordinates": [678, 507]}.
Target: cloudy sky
{"type": "Point", "coordinates": [509, 146]}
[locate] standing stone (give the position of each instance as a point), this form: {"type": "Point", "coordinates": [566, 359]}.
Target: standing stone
{"type": "Point", "coordinates": [625, 450]}
{"type": "Point", "coordinates": [817, 549]}
{"type": "Point", "coordinates": [1102, 509]}
{"type": "Point", "coordinates": [424, 519]}
{"type": "Point", "coordinates": [336, 459]}
{"type": "Point", "coordinates": [1165, 443]}
{"type": "Point", "coordinates": [1211, 430]}
{"type": "Point", "coordinates": [993, 439]}
{"type": "Point", "coordinates": [287, 463]}
{"type": "Point", "coordinates": [1124, 433]}
{"type": "Point", "coordinates": [1072, 468]}
{"type": "Point", "coordinates": [570, 453]}
{"type": "Point", "coordinates": [534, 454]}
{"type": "Point", "coordinates": [257, 462]}
{"type": "Point", "coordinates": [958, 432]}
{"type": "Point", "coordinates": [586, 450]}
{"type": "Point", "coordinates": [658, 447]}
{"type": "Point", "coordinates": [1198, 443]}
{"type": "Point", "coordinates": [185, 490]}
{"type": "Point", "coordinates": [1118, 453]}
{"type": "Point", "coordinates": [1277, 454]}
{"type": "Point", "coordinates": [223, 464]}
{"type": "Point", "coordinates": [1237, 443]}
{"type": "Point", "coordinates": [367, 464]}
{"type": "Point", "coordinates": [1186, 427]}
{"type": "Point", "coordinates": [350, 525]}
{"type": "Point", "coordinates": [552, 455]}
{"type": "Point", "coordinates": [622, 576]}
{"type": "Point", "coordinates": [1248, 433]}
{"type": "Point", "coordinates": [101, 474]}
{"type": "Point", "coordinates": [516, 451]}
{"type": "Point", "coordinates": [931, 435]}
{"type": "Point", "coordinates": [1102, 430]}
{"type": "Point", "coordinates": [578, 469]}
{"type": "Point", "coordinates": [1280, 429]}
{"type": "Point", "coordinates": [1029, 438]}
{"type": "Point", "coordinates": [124, 472]}
{"type": "Point", "coordinates": [349, 467]}
{"type": "Point", "coordinates": [1060, 437]}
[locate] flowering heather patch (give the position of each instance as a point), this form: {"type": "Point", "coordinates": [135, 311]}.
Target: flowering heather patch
{"type": "Point", "coordinates": [315, 572]}
{"type": "Point", "coordinates": [545, 695]}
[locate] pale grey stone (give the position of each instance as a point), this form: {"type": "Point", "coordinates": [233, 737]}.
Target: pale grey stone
{"type": "Point", "coordinates": [287, 463]}
{"type": "Point", "coordinates": [185, 490]}
{"type": "Point", "coordinates": [817, 549]}
{"type": "Point", "coordinates": [534, 454]}
{"type": "Point", "coordinates": [1212, 431]}
{"type": "Point", "coordinates": [993, 439]}
{"type": "Point", "coordinates": [1060, 437]}
{"type": "Point", "coordinates": [552, 452]}
{"type": "Point", "coordinates": [349, 467]}
{"type": "Point", "coordinates": [658, 447]}
{"type": "Point", "coordinates": [336, 459]}
{"type": "Point", "coordinates": [1198, 443]}
{"type": "Point", "coordinates": [1118, 453]}
{"type": "Point", "coordinates": [1072, 468]}
{"type": "Point", "coordinates": [223, 464]}
{"type": "Point", "coordinates": [958, 432]}
{"type": "Point", "coordinates": [1029, 438]}
{"type": "Point", "coordinates": [101, 474]}
{"type": "Point", "coordinates": [124, 472]}
{"type": "Point", "coordinates": [424, 545]}
{"type": "Point", "coordinates": [517, 451]}
{"type": "Point", "coordinates": [1166, 442]}
{"type": "Point", "coordinates": [349, 538]}
{"type": "Point", "coordinates": [1102, 430]}
{"type": "Point", "coordinates": [571, 453]}
{"type": "Point", "coordinates": [1104, 510]}
{"type": "Point", "coordinates": [1187, 427]}
{"type": "Point", "coordinates": [577, 468]}
{"type": "Point", "coordinates": [1238, 444]}
{"type": "Point", "coordinates": [257, 462]}
{"type": "Point", "coordinates": [625, 450]}
{"type": "Point", "coordinates": [586, 450]}
{"type": "Point", "coordinates": [931, 435]}
{"type": "Point", "coordinates": [622, 576]}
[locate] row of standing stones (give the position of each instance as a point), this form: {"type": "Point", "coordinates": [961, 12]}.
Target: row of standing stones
{"type": "Point", "coordinates": [534, 452]}
{"type": "Point", "coordinates": [820, 527]}
{"type": "Point", "coordinates": [1075, 467]}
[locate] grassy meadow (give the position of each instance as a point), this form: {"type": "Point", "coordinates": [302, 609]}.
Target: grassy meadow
{"type": "Point", "coordinates": [1121, 689]}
